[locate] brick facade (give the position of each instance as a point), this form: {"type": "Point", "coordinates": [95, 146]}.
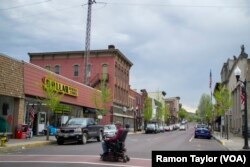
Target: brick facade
{"type": "Point", "coordinates": [11, 94]}
{"type": "Point", "coordinates": [108, 61]}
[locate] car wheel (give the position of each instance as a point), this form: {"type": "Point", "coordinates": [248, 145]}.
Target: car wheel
{"type": "Point", "coordinates": [195, 136]}
{"type": "Point", "coordinates": [100, 137]}
{"type": "Point", "coordinates": [127, 158]}
{"type": "Point", "coordinates": [83, 139]}
{"type": "Point", "coordinates": [60, 142]}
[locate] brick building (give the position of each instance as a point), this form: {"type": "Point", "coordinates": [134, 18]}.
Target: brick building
{"type": "Point", "coordinates": [21, 95]}
{"type": "Point", "coordinates": [110, 63]}
{"type": "Point", "coordinates": [11, 93]}
{"type": "Point", "coordinates": [174, 107]}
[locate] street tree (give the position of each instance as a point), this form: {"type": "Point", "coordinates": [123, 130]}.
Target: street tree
{"type": "Point", "coordinates": [166, 113]}
{"type": "Point", "coordinates": [51, 98]}
{"type": "Point", "coordinates": [102, 97]}
{"type": "Point", "coordinates": [182, 114]}
{"type": "Point", "coordinates": [147, 110]}
{"type": "Point", "coordinates": [223, 100]}
{"type": "Point", "coordinates": [205, 108]}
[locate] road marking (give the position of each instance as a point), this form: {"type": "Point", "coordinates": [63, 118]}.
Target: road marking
{"type": "Point", "coordinates": [72, 159]}
{"type": "Point", "coordinates": [191, 139]}
{"type": "Point", "coordinates": [48, 155]}
{"type": "Point", "coordinates": [67, 162]}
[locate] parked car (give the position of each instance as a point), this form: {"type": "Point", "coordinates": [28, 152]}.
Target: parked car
{"type": "Point", "coordinates": [200, 125]}
{"type": "Point", "coordinates": [161, 128]}
{"type": "Point", "coordinates": [150, 128]}
{"type": "Point", "coordinates": [109, 130]}
{"type": "Point", "coordinates": [202, 132]}
{"type": "Point", "coordinates": [182, 127]}
{"type": "Point", "coordinates": [79, 130]}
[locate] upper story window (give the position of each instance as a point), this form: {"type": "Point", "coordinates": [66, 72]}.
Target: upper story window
{"type": "Point", "coordinates": [57, 69]}
{"type": "Point", "coordinates": [89, 70]}
{"type": "Point", "coordinates": [76, 70]}
{"type": "Point", "coordinates": [104, 71]}
{"type": "Point", "coordinates": [47, 67]}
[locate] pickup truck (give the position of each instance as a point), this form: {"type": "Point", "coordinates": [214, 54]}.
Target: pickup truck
{"type": "Point", "coordinates": [79, 130]}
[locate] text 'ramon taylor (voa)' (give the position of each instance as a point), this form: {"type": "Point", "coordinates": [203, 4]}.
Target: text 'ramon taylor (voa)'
{"type": "Point", "coordinates": [201, 160]}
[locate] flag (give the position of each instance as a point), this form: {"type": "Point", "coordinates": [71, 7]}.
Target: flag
{"type": "Point", "coordinates": [242, 98]}
{"type": "Point", "coordinates": [32, 113]}
{"type": "Point", "coordinates": [210, 79]}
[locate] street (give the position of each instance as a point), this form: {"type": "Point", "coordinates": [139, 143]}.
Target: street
{"type": "Point", "coordinates": [139, 148]}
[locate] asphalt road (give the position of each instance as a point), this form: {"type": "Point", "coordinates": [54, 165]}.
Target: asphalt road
{"type": "Point", "coordinates": [139, 148]}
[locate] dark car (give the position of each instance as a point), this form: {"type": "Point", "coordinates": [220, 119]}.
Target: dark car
{"type": "Point", "coordinates": [202, 132]}
{"type": "Point", "coordinates": [79, 130]}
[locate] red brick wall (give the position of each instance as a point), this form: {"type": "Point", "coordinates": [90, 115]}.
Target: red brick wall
{"type": "Point", "coordinates": [32, 86]}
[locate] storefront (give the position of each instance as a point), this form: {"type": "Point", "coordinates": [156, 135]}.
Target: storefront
{"type": "Point", "coordinates": [76, 99]}
{"type": "Point", "coordinates": [22, 97]}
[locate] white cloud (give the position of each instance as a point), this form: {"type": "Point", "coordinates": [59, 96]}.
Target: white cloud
{"type": "Point", "coordinates": [173, 44]}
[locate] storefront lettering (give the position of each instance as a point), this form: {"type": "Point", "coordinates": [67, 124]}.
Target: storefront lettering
{"type": "Point", "coordinates": [60, 88]}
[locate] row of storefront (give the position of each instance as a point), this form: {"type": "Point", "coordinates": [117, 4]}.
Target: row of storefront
{"type": "Point", "coordinates": [21, 97]}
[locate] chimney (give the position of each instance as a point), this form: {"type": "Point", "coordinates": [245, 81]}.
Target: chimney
{"type": "Point", "coordinates": [111, 46]}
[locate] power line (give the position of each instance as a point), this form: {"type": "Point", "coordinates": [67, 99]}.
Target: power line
{"type": "Point", "coordinates": [25, 5]}
{"type": "Point", "coordinates": [174, 5]}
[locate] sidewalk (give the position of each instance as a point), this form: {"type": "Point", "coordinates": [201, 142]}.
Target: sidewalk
{"type": "Point", "coordinates": [19, 144]}
{"type": "Point", "coordinates": [233, 143]}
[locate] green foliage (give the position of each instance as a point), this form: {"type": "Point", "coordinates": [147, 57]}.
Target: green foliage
{"type": "Point", "coordinates": [205, 108]}
{"type": "Point", "coordinates": [160, 111]}
{"type": "Point", "coordinates": [101, 100]}
{"type": "Point", "coordinates": [166, 113]}
{"type": "Point", "coordinates": [51, 97]}
{"type": "Point", "coordinates": [147, 109]}
{"type": "Point", "coordinates": [182, 114]}
{"type": "Point", "coordinates": [223, 100]}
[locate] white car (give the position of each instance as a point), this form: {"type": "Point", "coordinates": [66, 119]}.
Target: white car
{"type": "Point", "coordinates": [109, 130]}
{"type": "Point", "coordinates": [182, 127]}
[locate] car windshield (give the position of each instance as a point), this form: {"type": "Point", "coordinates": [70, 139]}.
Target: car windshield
{"type": "Point", "coordinates": [82, 122]}
{"type": "Point", "coordinates": [150, 125]}
{"type": "Point", "coordinates": [109, 127]}
{"type": "Point", "coordinates": [201, 126]}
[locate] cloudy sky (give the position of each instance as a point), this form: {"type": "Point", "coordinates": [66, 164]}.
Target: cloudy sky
{"type": "Point", "coordinates": [173, 44]}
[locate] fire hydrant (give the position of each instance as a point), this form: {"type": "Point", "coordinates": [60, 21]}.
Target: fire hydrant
{"type": "Point", "coordinates": [3, 140]}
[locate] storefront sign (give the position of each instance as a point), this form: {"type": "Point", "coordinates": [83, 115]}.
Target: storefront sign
{"type": "Point", "coordinates": [60, 88]}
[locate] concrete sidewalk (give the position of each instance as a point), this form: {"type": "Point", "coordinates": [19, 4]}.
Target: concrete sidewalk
{"type": "Point", "coordinates": [19, 144]}
{"type": "Point", "coordinates": [35, 141]}
{"type": "Point", "coordinates": [233, 143]}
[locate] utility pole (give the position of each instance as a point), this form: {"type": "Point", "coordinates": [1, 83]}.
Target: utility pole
{"type": "Point", "coordinates": [87, 43]}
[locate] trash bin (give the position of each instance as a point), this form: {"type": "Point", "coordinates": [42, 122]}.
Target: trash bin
{"type": "Point", "coordinates": [19, 132]}
{"type": "Point", "coordinates": [22, 131]}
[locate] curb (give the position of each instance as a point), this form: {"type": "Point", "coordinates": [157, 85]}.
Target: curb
{"type": "Point", "coordinates": [221, 142]}
{"type": "Point", "coordinates": [22, 146]}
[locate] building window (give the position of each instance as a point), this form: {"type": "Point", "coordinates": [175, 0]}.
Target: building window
{"type": "Point", "coordinates": [88, 70]}
{"type": "Point", "coordinates": [57, 69]}
{"type": "Point", "coordinates": [47, 67]}
{"type": "Point", "coordinates": [76, 70]}
{"type": "Point", "coordinates": [104, 71]}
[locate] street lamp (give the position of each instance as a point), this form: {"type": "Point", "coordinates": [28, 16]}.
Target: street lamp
{"type": "Point", "coordinates": [237, 73]}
